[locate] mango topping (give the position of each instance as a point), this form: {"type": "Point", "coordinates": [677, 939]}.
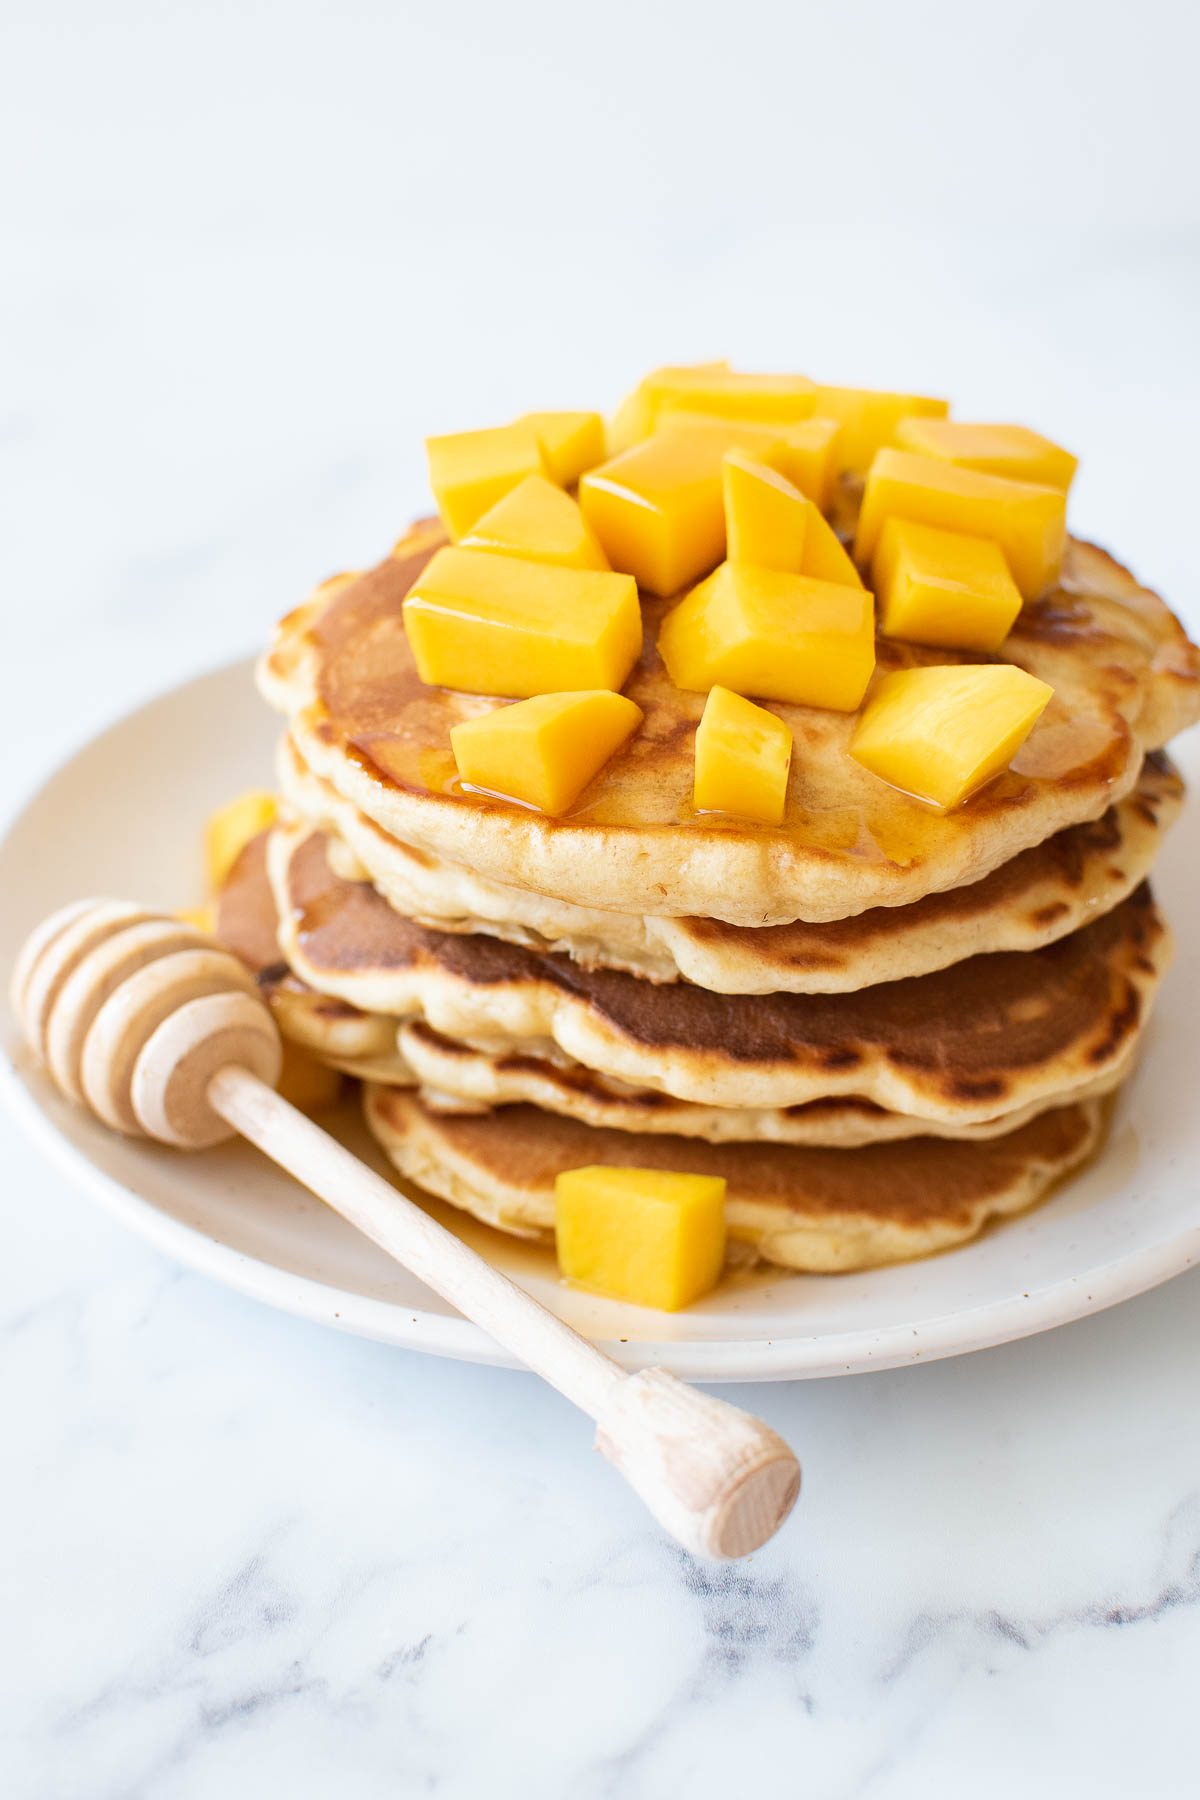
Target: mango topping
{"type": "Point", "coordinates": [1029, 522]}
{"type": "Point", "coordinates": [230, 829]}
{"type": "Point", "coordinates": [808, 455]}
{"type": "Point", "coordinates": [538, 521]}
{"type": "Point", "coordinates": [743, 753]}
{"type": "Point", "coordinates": [941, 733]}
{"type": "Point", "coordinates": [657, 509]}
{"type": "Point", "coordinates": [570, 442]}
{"type": "Point", "coordinates": [769, 398]}
{"type": "Point", "coordinates": [634, 418]}
{"type": "Point", "coordinates": [869, 418]}
{"type": "Point", "coordinates": [783, 637]}
{"type": "Point", "coordinates": [502, 625]}
{"type": "Point", "coordinates": [470, 470]}
{"type": "Point", "coordinates": [1011, 450]}
{"type": "Point", "coordinates": [644, 1235]}
{"type": "Point", "coordinates": [765, 515]}
{"type": "Point", "coordinates": [544, 751]}
{"type": "Point", "coordinates": [939, 587]}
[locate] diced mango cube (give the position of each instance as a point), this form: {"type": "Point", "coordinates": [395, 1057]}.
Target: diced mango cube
{"type": "Point", "coordinates": [658, 510]}
{"type": "Point", "coordinates": [731, 394]}
{"type": "Point", "coordinates": [544, 751]}
{"type": "Point", "coordinates": [743, 753]}
{"type": "Point", "coordinates": [808, 455]}
{"type": "Point", "coordinates": [230, 829]}
{"type": "Point", "coordinates": [783, 637]}
{"type": "Point", "coordinates": [1011, 450]}
{"type": "Point", "coordinates": [1028, 522]}
{"type": "Point", "coordinates": [204, 918]}
{"type": "Point", "coordinates": [939, 587]}
{"type": "Point", "coordinates": [470, 470]}
{"type": "Point", "coordinates": [538, 521]}
{"type": "Point", "coordinates": [644, 1235]}
{"type": "Point", "coordinates": [941, 733]}
{"type": "Point", "coordinates": [634, 418]}
{"type": "Point", "coordinates": [765, 515]}
{"type": "Point", "coordinates": [570, 442]}
{"type": "Point", "coordinates": [306, 1083]}
{"type": "Point", "coordinates": [868, 418]}
{"type": "Point", "coordinates": [501, 625]}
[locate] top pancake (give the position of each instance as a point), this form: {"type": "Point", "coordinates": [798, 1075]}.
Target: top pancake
{"type": "Point", "coordinates": [1125, 679]}
{"type": "Point", "coordinates": [1042, 894]}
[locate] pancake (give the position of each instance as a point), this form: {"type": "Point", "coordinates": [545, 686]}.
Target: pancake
{"type": "Point", "coordinates": [821, 1210]}
{"type": "Point", "coordinates": [1125, 679]}
{"type": "Point", "coordinates": [1040, 895]}
{"type": "Point", "coordinates": [457, 1077]}
{"type": "Point", "coordinates": [967, 1044]}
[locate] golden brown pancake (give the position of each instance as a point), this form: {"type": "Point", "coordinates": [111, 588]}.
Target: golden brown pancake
{"type": "Point", "coordinates": [819, 1210]}
{"type": "Point", "coordinates": [1041, 894]}
{"type": "Point", "coordinates": [967, 1044]}
{"type": "Point", "coordinates": [1125, 679]}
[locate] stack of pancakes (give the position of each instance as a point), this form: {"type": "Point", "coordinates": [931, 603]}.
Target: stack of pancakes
{"type": "Point", "coordinates": [881, 1024]}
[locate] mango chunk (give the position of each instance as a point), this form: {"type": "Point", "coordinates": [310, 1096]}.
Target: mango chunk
{"type": "Point", "coordinates": [634, 418]}
{"type": "Point", "coordinates": [939, 587]}
{"type": "Point", "coordinates": [808, 455]}
{"type": "Point", "coordinates": [544, 751]}
{"type": "Point", "coordinates": [784, 637]}
{"type": "Point", "coordinates": [765, 515]}
{"type": "Point", "coordinates": [658, 509]}
{"type": "Point", "coordinates": [502, 625]}
{"type": "Point", "coordinates": [743, 753]}
{"type": "Point", "coordinates": [230, 829]}
{"type": "Point", "coordinates": [306, 1083]}
{"type": "Point", "coordinates": [728, 392]}
{"type": "Point", "coordinates": [470, 470]}
{"type": "Point", "coordinates": [1029, 522]}
{"type": "Point", "coordinates": [570, 442]}
{"type": "Point", "coordinates": [868, 418]}
{"type": "Point", "coordinates": [538, 521]}
{"type": "Point", "coordinates": [644, 1235]}
{"type": "Point", "coordinates": [941, 733]}
{"type": "Point", "coordinates": [1011, 450]}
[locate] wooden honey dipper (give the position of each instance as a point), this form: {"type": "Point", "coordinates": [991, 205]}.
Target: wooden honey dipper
{"type": "Point", "coordinates": [163, 1034]}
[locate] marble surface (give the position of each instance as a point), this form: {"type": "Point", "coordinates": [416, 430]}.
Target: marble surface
{"type": "Point", "coordinates": [240, 1556]}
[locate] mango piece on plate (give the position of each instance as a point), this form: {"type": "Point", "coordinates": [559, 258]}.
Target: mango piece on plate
{"type": "Point", "coordinates": [306, 1083]}
{"type": "Point", "coordinates": [1011, 450]}
{"type": "Point", "coordinates": [502, 625]}
{"type": "Point", "coordinates": [941, 733]}
{"type": "Point", "coordinates": [644, 1235]}
{"type": "Point", "coordinates": [939, 587]}
{"type": "Point", "coordinates": [743, 753]}
{"type": "Point", "coordinates": [868, 418]}
{"type": "Point", "coordinates": [204, 918]}
{"type": "Point", "coordinates": [765, 515]}
{"type": "Point", "coordinates": [634, 418]}
{"type": "Point", "coordinates": [658, 509]}
{"type": "Point", "coordinates": [782, 637]}
{"type": "Point", "coordinates": [1028, 521]}
{"type": "Point", "coordinates": [470, 470]}
{"type": "Point", "coordinates": [544, 751]}
{"type": "Point", "coordinates": [538, 521]}
{"type": "Point", "coordinates": [570, 442]}
{"type": "Point", "coordinates": [230, 829]}
{"type": "Point", "coordinates": [808, 455]}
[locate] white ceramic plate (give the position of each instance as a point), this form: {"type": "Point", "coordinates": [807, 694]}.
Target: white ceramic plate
{"type": "Point", "coordinates": [124, 817]}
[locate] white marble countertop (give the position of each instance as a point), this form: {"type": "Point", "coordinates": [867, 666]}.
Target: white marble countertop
{"type": "Point", "coordinates": [240, 1556]}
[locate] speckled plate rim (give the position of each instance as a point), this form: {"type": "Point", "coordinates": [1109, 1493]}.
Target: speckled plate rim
{"type": "Point", "coordinates": [68, 1138]}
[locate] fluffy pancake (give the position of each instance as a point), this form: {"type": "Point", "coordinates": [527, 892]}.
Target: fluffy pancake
{"type": "Point", "coordinates": [964, 1045]}
{"type": "Point", "coordinates": [1041, 894]}
{"type": "Point", "coordinates": [1124, 674]}
{"type": "Point", "coordinates": [820, 1210]}
{"type": "Point", "coordinates": [461, 1078]}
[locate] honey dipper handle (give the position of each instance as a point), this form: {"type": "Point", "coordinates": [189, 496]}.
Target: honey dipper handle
{"type": "Point", "coordinates": [719, 1480]}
